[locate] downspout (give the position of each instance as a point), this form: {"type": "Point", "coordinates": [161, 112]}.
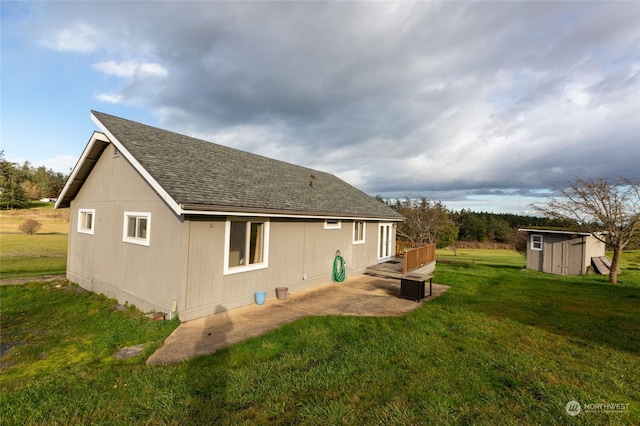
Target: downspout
{"type": "Point", "coordinates": [181, 304]}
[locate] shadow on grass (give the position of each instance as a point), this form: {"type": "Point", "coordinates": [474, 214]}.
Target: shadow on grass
{"type": "Point", "coordinates": [471, 262]}
{"type": "Point", "coordinates": [504, 267]}
{"type": "Point", "coordinates": [208, 378]}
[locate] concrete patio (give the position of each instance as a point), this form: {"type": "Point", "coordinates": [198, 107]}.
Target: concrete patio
{"type": "Point", "coordinates": [362, 295]}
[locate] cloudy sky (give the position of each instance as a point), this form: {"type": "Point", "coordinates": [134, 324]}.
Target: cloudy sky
{"type": "Point", "coordinates": [481, 105]}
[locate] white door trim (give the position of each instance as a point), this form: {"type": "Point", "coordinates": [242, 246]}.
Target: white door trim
{"type": "Point", "coordinates": [384, 241]}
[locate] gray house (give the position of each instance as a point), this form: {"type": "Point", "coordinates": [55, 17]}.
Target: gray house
{"type": "Point", "coordinates": [563, 252]}
{"type": "Point", "coordinates": [175, 224]}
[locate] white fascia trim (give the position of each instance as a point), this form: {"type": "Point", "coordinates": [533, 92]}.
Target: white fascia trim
{"type": "Point", "coordinates": [96, 136]}
{"type": "Point", "coordinates": [545, 231]}
{"type": "Point", "coordinates": [154, 184]}
{"type": "Point", "coordinates": [291, 216]}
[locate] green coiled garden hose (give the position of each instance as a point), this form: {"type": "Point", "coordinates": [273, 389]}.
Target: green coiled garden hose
{"type": "Point", "coordinates": [339, 271]}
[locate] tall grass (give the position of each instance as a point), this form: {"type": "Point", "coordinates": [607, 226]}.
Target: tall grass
{"type": "Point", "coordinates": [502, 346]}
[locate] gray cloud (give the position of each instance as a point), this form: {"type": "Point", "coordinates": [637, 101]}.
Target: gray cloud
{"type": "Point", "coordinates": [434, 98]}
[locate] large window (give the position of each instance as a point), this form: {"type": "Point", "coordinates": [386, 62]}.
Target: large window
{"type": "Point", "coordinates": [358, 232]}
{"type": "Point", "coordinates": [86, 220]}
{"type": "Point", "coordinates": [246, 245]}
{"type": "Point", "coordinates": [137, 228]}
{"type": "Point", "coordinates": [536, 242]}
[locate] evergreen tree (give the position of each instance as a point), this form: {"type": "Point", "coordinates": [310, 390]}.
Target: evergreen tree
{"type": "Point", "coordinates": [12, 195]}
{"type": "Point", "coordinates": [21, 184]}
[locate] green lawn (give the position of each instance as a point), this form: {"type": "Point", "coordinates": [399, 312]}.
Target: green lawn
{"type": "Point", "coordinates": [32, 255]}
{"type": "Point", "coordinates": [482, 257]}
{"type": "Point", "coordinates": [629, 264]}
{"type": "Point", "coordinates": [44, 253]}
{"type": "Point", "coordinates": [502, 346]}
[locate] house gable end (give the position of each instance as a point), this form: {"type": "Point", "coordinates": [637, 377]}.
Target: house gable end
{"type": "Point", "coordinates": [139, 168]}
{"type": "Point", "coordinates": [83, 168]}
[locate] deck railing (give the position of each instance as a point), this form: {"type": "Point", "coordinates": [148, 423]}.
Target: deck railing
{"type": "Point", "coordinates": [415, 254]}
{"type": "Point", "coordinates": [402, 246]}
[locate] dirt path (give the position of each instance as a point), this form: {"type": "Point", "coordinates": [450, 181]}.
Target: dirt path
{"type": "Point", "coordinates": [18, 281]}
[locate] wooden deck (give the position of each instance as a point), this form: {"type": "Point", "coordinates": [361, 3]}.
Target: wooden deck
{"type": "Point", "coordinates": [394, 269]}
{"type": "Point", "coordinates": [412, 284]}
{"type": "Point", "coordinates": [413, 261]}
{"type": "Point", "coordinates": [413, 268]}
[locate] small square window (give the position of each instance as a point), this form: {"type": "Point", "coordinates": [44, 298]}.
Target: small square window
{"type": "Point", "coordinates": [358, 232]}
{"type": "Point", "coordinates": [86, 220]}
{"type": "Point", "coordinates": [136, 228]}
{"type": "Point", "coordinates": [332, 224]}
{"type": "Point", "coordinates": [536, 242]}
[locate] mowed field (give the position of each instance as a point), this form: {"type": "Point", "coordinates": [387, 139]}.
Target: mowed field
{"type": "Point", "coordinates": [43, 253]}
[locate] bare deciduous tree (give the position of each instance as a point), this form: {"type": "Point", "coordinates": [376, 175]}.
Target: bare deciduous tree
{"type": "Point", "coordinates": [519, 241]}
{"type": "Point", "coordinates": [30, 226]}
{"type": "Point", "coordinates": [610, 211]}
{"type": "Point", "coordinates": [426, 222]}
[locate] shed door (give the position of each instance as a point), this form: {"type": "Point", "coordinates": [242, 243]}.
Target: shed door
{"type": "Point", "coordinates": [565, 266]}
{"type": "Point", "coordinates": [384, 241]}
{"type": "Point", "coordinates": [561, 258]}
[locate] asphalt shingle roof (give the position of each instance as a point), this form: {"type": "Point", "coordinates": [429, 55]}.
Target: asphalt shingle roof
{"type": "Point", "coordinates": [204, 175]}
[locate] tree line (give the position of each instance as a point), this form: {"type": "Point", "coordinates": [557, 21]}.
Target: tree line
{"type": "Point", "coordinates": [21, 184]}
{"type": "Point", "coordinates": [499, 227]}
{"type": "Point", "coordinates": [431, 221]}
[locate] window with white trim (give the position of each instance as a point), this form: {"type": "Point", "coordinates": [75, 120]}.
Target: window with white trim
{"type": "Point", "coordinates": [246, 245]}
{"type": "Point", "coordinates": [536, 242]}
{"type": "Point", "coordinates": [137, 228]}
{"type": "Point", "coordinates": [332, 224]}
{"type": "Point", "coordinates": [358, 232]}
{"type": "Point", "coordinates": [86, 220]}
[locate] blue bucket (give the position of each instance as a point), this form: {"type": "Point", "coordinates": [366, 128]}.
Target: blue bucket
{"type": "Point", "coordinates": [260, 297]}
